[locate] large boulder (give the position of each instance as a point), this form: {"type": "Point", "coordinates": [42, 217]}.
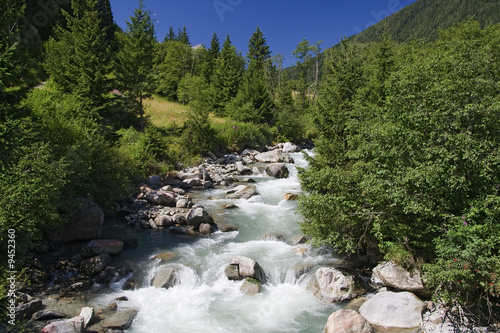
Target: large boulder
{"type": "Point", "coordinates": [242, 192]}
{"type": "Point", "coordinates": [166, 276]}
{"type": "Point", "coordinates": [394, 311]}
{"type": "Point", "coordinates": [277, 170]}
{"type": "Point", "coordinates": [164, 221]}
{"type": "Point", "coordinates": [273, 156]}
{"type": "Point", "coordinates": [160, 198]}
{"type": "Point", "coordinates": [246, 268]}
{"type": "Point", "coordinates": [121, 320]}
{"type": "Point", "coordinates": [332, 285]}
{"type": "Point", "coordinates": [389, 274]}
{"type": "Point", "coordinates": [197, 216]}
{"type": "Point", "coordinates": [102, 246]}
{"type": "Point", "coordinates": [242, 169]}
{"type": "Point", "coordinates": [26, 310]}
{"type": "Point", "coordinates": [84, 225]}
{"type": "Point", "coordinates": [347, 321]}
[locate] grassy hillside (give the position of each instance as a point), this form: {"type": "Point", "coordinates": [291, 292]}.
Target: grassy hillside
{"type": "Point", "coordinates": [164, 113]}
{"type": "Point", "coordinates": [424, 18]}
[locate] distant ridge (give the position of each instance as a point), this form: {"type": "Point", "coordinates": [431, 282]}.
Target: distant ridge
{"type": "Point", "coordinates": [424, 18]}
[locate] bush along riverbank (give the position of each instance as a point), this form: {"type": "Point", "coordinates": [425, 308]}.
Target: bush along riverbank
{"type": "Point", "coordinates": [65, 278]}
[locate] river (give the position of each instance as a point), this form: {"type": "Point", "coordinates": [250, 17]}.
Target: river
{"type": "Point", "coordinates": [204, 300]}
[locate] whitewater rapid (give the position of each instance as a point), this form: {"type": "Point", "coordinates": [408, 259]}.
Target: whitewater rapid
{"type": "Point", "coordinates": [204, 300]}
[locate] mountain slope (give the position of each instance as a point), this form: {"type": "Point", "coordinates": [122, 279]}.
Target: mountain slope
{"type": "Point", "coordinates": [424, 18]}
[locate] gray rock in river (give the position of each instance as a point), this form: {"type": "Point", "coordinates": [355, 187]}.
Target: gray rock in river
{"type": "Point", "coordinates": [331, 285]}
{"type": "Point", "coordinates": [248, 268]}
{"type": "Point", "coordinates": [273, 156]}
{"type": "Point", "coordinates": [242, 192]}
{"type": "Point", "coordinates": [121, 320]}
{"type": "Point", "coordinates": [393, 310]}
{"type": "Point", "coordinates": [166, 276]}
{"type": "Point", "coordinates": [389, 274]}
{"type": "Point", "coordinates": [251, 286]}
{"type": "Point", "coordinates": [277, 170]}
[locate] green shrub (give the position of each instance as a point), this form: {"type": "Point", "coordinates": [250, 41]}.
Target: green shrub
{"type": "Point", "coordinates": [234, 135]}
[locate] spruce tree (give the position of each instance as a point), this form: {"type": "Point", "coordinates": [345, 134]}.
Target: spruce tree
{"type": "Point", "coordinates": [183, 36]}
{"type": "Point", "coordinates": [135, 60]}
{"type": "Point", "coordinates": [78, 57]}
{"type": "Point", "coordinates": [227, 77]}
{"type": "Point", "coordinates": [170, 34]}
{"type": "Point", "coordinates": [256, 88]}
{"type": "Point", "coordinates": [213, 55]}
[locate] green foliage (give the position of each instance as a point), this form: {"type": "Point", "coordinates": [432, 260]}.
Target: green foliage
{"type": "Point", "coordinates": [146, 150]}
{"type": "Point", "coordinates": [78, 58]}
{"type": "Point", "coordinates": [191, 89]}
{"type": "Point", "coordinates": [172, 62]}
{"type": "Point", "coordinates": [408, 139]}
{"type": "Point", "coordinates": [236, 135]}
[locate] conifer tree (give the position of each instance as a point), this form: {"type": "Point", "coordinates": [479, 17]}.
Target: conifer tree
{"type": "Point", "coordinates": [135, 61]}
{"type": "Point", "coordinates": [255, 88]}
{"type": "Point", "coordinates": [78, 57]}
{"type": "Point", "coordinates": [213, 55]}
{"type": "Point", "coordinates": [183, 36]}
{"type": "Point", "coordinates": [170, 34]}
{"type": "Point", "coordinates": [226, 78]}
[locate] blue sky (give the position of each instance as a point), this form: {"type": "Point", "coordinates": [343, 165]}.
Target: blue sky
{"type": "Point", "coordinates": [283, 22]}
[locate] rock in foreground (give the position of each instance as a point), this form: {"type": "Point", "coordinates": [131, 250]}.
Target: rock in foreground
{"type": "Point", "coordinates": [347, 321]}
{"type": "Point", "coordinates": [393, 310]}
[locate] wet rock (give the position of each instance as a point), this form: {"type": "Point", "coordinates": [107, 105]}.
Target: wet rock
{"type": "Point", "coordinates": [208, 185]}
{"type": "Point", "coordinates": [182, 231]}
{"type": "Point", "coordinates": [47, 315]}
{"type": "Point", "coordinates": [73, 325]}
{"type": "Point", "coordinates": [206, 229]}
{"type": "Point", "coordinates": [96, 264]}
{"type": "Point", "coordinates": [164, 221]}
{"type": "Point", "coordinates": [179, 219]}
{"type": "Point", "coordinates": [242, 169]}
{"type": "Point", "coordinates": [232, 273]}
{"type": "Point", "coordinates": [274, 236]}
{"type": "Point", "coordinates": [192, 182]}
{"type": "Point", "coordinates": [84, 225]}
{"type": "Point", "coordinates": [227, 227]}
{"type": "Point", "coordinates": [248, 180]}
{"type": "Point", "coordinates": [277, 170]}
{"type": "Point", "coordinates": [120, 320]}
{"type": "Point", "coordinates": [251, 286]}
{"type": "Point", "coordinates": [291, 196]}
{"type": "Point", "coordinates": [389, 274]}
{"type": "Point", "coordinates": [242, 192]}
{"type": "Point", "coordinates": [299, 239]}
{"type": "Point", "coordinates": [28, 309]}
{"type": "Point", "coordinates": [347, 321]}
{"type": "Point", "coordinates": [393, 310]}
{"type": "Point", "coordinates": [331, 285]}
{"type": "Point", "coordinates": [248, 268]}
{"type": "Point", "coordinates": [160, 198]}
{"type": "Point", "coordinates": [230, 206]}
{"type": "Point", "coordinates": [166, 276]}
{"type": "Point", "coordinates": [197, 216]}
{"type": "Point", "coordinates": [102, 246]}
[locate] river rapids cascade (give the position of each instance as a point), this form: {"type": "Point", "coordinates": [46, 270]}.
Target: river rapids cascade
{"type": "Point", "coordinates": [203, 299]}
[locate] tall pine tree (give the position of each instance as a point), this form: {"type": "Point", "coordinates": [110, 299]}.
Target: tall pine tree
{"type": "Point", "coordinates": [78, 57]}
{"type": "Point", "coordinates": [135, 60]}
{"type": "Point", "coordinates": [255, 91]}
{"type": "Point", "coordinates": [226, 78]}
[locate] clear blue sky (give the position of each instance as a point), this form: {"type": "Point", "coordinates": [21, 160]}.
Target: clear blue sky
{"type": "Point", "coordinates": [283, 22]}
